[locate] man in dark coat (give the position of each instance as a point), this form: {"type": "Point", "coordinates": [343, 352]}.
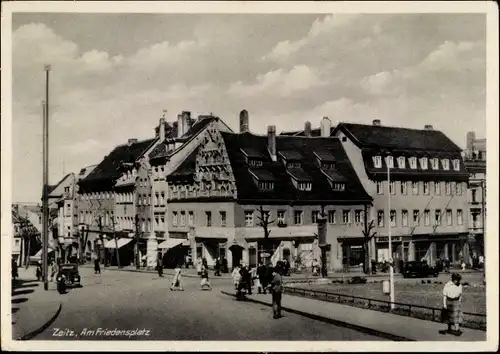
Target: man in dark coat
{"type": "Point", "coordinates": [159, 264]}
{"type": "Point", "coordinates": [217, 268]}
{"type": "Point", "coordinates": [263, 279]}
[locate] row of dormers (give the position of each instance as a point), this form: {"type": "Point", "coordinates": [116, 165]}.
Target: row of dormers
{"type": "Point", "coordinates": [414, 162]}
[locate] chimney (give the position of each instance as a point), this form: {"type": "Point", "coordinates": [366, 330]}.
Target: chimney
{"type": "Point", "coordinates": [307, 129]}
{"type": "Point", "coordinates": [132, 141]}
{"type": "Point", "coordinates": [186, 117]}
{"type": "Point", "coordinates": [161, 129]}
{"type": "Point", "coordinates": [244, 124]}
{"type": "Point", "coordinates": [271, 141]}
{"type": "Point", "coordinates": [428, 127]}
{"type": "Point", "coordinates": [376, 122]}
{"type": "Point", "coordinates": [180, 126]}
{"type": "Point", "coordinates": [326, 125]}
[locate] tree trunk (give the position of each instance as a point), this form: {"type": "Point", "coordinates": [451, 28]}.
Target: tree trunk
{"type": "Point", "coordinates": [117, 252]}
{"type": "Point", "coordinates": [27, 253]}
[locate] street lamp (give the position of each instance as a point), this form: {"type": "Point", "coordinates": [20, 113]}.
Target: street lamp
{"type": "Point", "coordinates": [45, 249]}
{"type": "Point", "coordinates": [391, 260]}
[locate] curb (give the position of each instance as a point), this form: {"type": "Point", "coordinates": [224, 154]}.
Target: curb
{"type": "Point", "coordinates": [36, 332]}
{"type": "Point", "coordinates": [358, 328]}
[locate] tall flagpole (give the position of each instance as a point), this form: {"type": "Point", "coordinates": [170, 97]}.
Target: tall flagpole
{"type": "Point", "coordinates": [391, 260]}
{"type": "Point", "coordinates": [45, 251]}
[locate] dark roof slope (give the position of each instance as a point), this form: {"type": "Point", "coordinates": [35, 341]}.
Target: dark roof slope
{"type": "Point", "coordinates": [284, 189]}
{"type": "Point", "coordinates": [110, 168]}
{"type": "Point", "coordinates": [186, 170]}
{"type": "Point", "coordinates": [372, 136]}
{"type": "Point", "coordinates": [314, 132]}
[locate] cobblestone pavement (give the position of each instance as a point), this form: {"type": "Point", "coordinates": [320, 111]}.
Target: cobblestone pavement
{"type": "Point", "coordinates": [129, 301]}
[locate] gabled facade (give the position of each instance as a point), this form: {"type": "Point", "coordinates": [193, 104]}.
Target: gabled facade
{"type": "Point", "coordinates": [428, 190]}
{"type": "Point", "coordinates": [217, 193]}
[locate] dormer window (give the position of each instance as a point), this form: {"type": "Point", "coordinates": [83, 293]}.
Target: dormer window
{"type": "Point", "coordinates": [377, 161]}
{"type": "Point", "coordinates": [456, 164]}
{"type": "Point", "coordinates": [338, 187]}
{"type": "Point", "coordinates": [263, 179]}
{"type": "Point", "coordinates": [423, 163]}
{"type": "Point", "coordinates": [327, 166]}
{"type": "Point", "coordinates": [435, 164]}
{"type": "Point", "coordinates": [293, 165]}
{"type": "Point", "coordinates": [254, 163]}
{"type": "Point", "coordinates": [389, 160]}
{"type": "Point", "coordinates": [266, 186]}
{"type": "Point", "coordinates": [304, 186]}
{"type": "Point", "coordinates": [446, 164]}
{"type": "Point", "coordinates": [401, 162]}
{"type": "Point", "coordinates": [413, 162]}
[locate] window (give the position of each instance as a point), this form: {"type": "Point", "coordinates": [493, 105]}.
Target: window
{"type": "Point", "coordinates": [446, 164]}
{"type": "Point", "coordinates": [401, 162]}
{"type": "Point", "coordinates": [423, 163]}
{"type": "Point", "coordinates": [174, 218]}
{"type": "Point", "coordinates": [393, 218]}
{"type": "Point", "coordinates": [427, 217]}
{"type": "Point", "coordinates": [404, 187]}
{"type": "Point", "coordinates": [293, 165]}
{"type": "Point", "coordinates": [183, 218]}
{"type": "Point", "coordinates": [315, 216]}
{"type": "Point", "coordinates": [474, 195]}
{"type": "Point", "coordinates": [190, 218]}
{"type": "Point", "coordinates": [346, 216]}
{"type": "Point", "coordinates": [404, 217]}
{"type": "Point", "coordinates": [456, 164]}
{"type": "Point", "coordinates": [305, 186]}
{"type": "Point", "coordinates": [460, 217]}
{"type": "Point", "coordinates": [255, 163]}
{"type": "Point", "coordinates": [222, 218]}
{"type": "Point", "coordinates": [380, 218]}
{"type": "Point", "coordinates": [162, 221]}
{"type": "Point", "coordinates": [380, 188]}
{"type": "Point", "coordinates": [266, 186]}
{"type": "Point", "coordinates": [413, 162]}
{"type": "Point", "coordinates": [248, 218]}
{"type": "Point", "coordinates": [435, 164]}
{"type": "Point", "coordinates": [208, 218]}
{"type": "Point", "coordinates": [437, 217]}
{"type": "Point", "coordinates": [157, 220]}
{"type": "Point", "coordinates": [377, 161]}
{"type": "Point", "coordinates": [297, 216]}
{"type": "Point", "coordinates": [281, 217]}
{"type": "Point", "coordinates": [392, 188]}
{"type": "Point", "coordinates": [332, 217]}
{"type": "Point", "coordinates": [449, 217]}
{"type": "Point", "coordinates": [426, 188]}
{"type": "Point", "coordinates": [357, 217]}
{"type": "Point", "coordinates": [389, 160]}
{"type": "Point", "coordinates": [459, 188]}
{"type": "Point", "coordinates": [414, 187]}
{"type": "Point", "coordinates": [448, 188]}
{"type": "Point", "coordinates": [437, 188]}
{"type": "Point", "coordinates": [338, 187]}
{"type": "Point", "coordinates": [162, 198]}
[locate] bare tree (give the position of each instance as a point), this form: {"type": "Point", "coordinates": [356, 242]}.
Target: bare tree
{"type": "Point", "coordinates": [116, 243]}
{"type": "Point", "coordinates": [368, 235]}
{"type": "Point", "coordinates": [264, 222]}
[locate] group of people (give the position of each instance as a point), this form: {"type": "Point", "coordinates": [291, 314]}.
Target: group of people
{"type": "Point", "coordinates": [202, 269]}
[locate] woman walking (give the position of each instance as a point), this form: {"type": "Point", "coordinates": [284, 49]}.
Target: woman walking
{"type": "Point", "coordinates": [452, 305]}
{"type": "Point", "coordinates": [205, 283]}
{"type": "Point", "coordinates": [177, 280]}
{"type": "Point", "coordinates": [236, 277]}
{"type": "Point", "coordinates": [199, 266]}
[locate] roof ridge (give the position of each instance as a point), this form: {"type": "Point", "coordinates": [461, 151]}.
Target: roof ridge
{"type": "Point", "coordinates": [392, 127]}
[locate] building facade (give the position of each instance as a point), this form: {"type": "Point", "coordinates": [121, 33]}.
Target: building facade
{"type": "Point", "coordinates": [224, 193]}
{"type": "Point", "coordinates": [475, 162]}
{"type": "Point", "coordinates": [426, 187]}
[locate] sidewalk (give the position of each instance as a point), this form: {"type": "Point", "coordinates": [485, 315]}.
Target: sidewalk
{"type": "Point", "coordinates": [33, 308]}
{"type": "Point", "coordinates": [386, 325]}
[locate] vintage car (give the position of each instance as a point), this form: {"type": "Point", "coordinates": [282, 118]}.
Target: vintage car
{"type": "Point", "coordinates": [419, 269]}
{"type": "Point", "coordinates": [70, 271]}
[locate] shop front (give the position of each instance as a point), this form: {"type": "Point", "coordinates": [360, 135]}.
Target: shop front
{"type": "Point", "coordinates": [120, 251]}
{"type": "Point", "coordinates": [175, 249]}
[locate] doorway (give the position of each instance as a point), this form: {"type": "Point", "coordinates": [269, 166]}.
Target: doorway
{"type": "Point", "coordinates": [252, 257]}
{"type": "Point", "coordinates": [237, 255]}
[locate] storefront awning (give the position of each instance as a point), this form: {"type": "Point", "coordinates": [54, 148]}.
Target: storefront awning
{"type": "Point", "coordinates": [171, 243]}
{"type": "Point", "coordinates": [120, 242]}
{"type": "Point", "coordinates": [38, 255]}
{"type": "Point", "coordinates": [238, 243]}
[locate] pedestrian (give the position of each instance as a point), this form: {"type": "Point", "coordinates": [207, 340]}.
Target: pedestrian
{"type": "Point", "coordinates": [224, 265]}
{"type": "Point", "coordinates": [204, 262]}
{"type": "Point", "coordinates": [39, 270]}
{"type": "Point", "coordinates": [53, 270]}
{"type": "Point", "coordinates": [286, 267]}
{"type": "Point", "coordinates": [276, 288]}
{"type": "Point", "coordinates": [177, 280]}
{"type": "Point", "coordinates": [15, 274]}
{"type": "Point", "coordinates": [199, 266]}
{"type": "Point", "coordinates": [463, 265]}
{"type": "Point", "coordinates": [97, 266]}
{"type": "Point", "coordinates": [248, 281]}
{"type": "Point", "coordinates": [236, 276]}
{"type": "Point", "coordinates": [217, 268]}
{"type": "Point", "coordinates": [481, 261]}
{"type": "Point", "coordinates": [262, 276]}
{"type": "Point", "coordinates": [447, 265]}
{"type": "Point", "coordinates": [159, 265]}
{"type": "Point", "coordinates": [452, 305]}
{"type": "Point", "coordinates": [205, 282]}
{"type": "Point", "coordinates": [315, 267]}
{"type": "Point", "coordinates": [188, 261]}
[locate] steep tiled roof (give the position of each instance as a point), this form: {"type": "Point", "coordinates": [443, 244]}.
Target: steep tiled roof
{"type": "Point", "coordinates": [314, 132]}
{"type": "Point", "coordinates": [372, 136]}
{"type": "Point", "coordinates": [160, 150]}
{"type": "Point", "coordinates": [110, 168]}
{"type": "Point", "coordinates": [284, 189]}
{"type": "Point", "coordinates": [186, 169]}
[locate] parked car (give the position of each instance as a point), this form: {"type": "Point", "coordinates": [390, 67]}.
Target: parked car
{"type": "Point", "coordinates": [419, 269]}
{"type": "Point", "coordinates": [70, 271]}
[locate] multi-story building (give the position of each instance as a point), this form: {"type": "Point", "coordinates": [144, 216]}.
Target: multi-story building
{"type": "Point", "coordinates": [226, 189]}
{"type": "Point", "coordinates": [27, 241]}
{"type": "Point", "coordinates": [98, 200]}
{"type": "Point", "coordinates": [85, 246]}
{"type": "Point", "coordinates": [426, 189]}
{"type": "Point", "coordinates": [181, 138]}
{"type": "Point", "coordinates": [475, 162]}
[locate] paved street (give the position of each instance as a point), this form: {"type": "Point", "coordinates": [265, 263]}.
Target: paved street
{"type": "Point", "coordinates": [129, 301]}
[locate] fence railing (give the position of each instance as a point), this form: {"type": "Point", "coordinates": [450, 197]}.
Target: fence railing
{"type": "Point", "coordinates": [471, 320]}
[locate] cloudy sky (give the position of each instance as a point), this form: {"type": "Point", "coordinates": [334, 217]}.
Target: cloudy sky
{"type": "Point", "coordinates": [113, 75]}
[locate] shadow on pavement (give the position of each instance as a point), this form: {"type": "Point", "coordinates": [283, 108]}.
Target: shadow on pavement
{"type": "Point", "coordinates": [19, 300]}
{"type": "Point", "coordinates": [22, 292]}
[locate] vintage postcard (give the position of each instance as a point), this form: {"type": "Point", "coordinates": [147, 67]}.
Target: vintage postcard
{"type": "Point", "coordinates": [250, 176]}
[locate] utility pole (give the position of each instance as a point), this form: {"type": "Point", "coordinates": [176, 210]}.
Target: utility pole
{"type": "Point", "coordinates": [322, 241]}
{"type": "Point", "coordinates": [137, 260]}
{"type": "Point", "coordinates": [391, 258]}
{"type": "Point", "coordinates": [45, 250]}
{"type": "Point", "coordinates": [116, 243]}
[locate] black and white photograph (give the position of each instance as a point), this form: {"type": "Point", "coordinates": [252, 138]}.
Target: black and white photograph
{"type": "Point", "coordinates": [250, 175]}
